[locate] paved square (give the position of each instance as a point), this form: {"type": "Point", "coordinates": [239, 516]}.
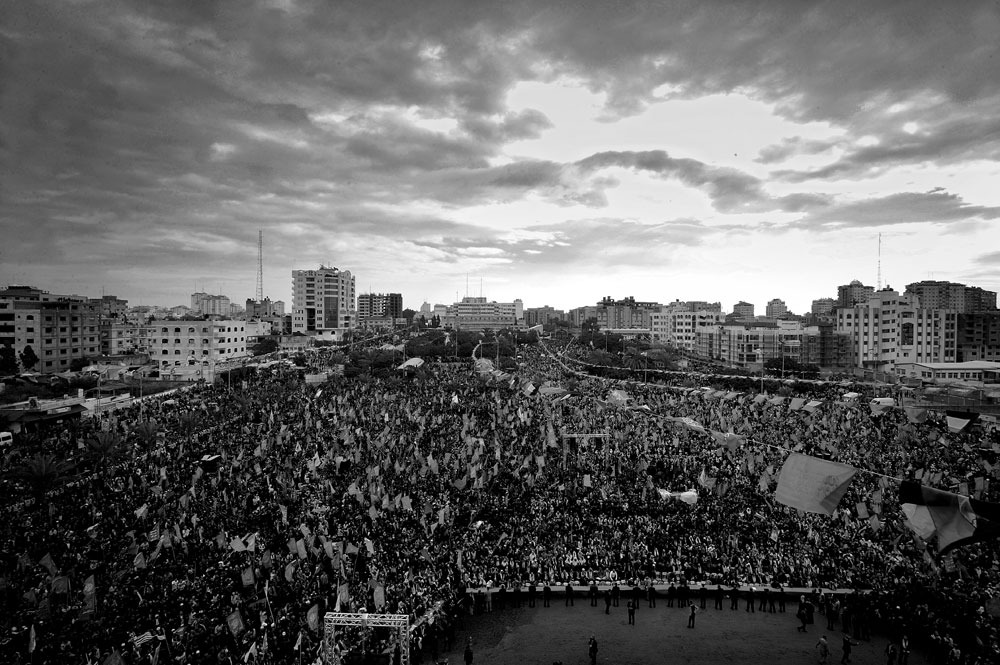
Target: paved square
{"type": "Point", "coordinates": [542, 636]}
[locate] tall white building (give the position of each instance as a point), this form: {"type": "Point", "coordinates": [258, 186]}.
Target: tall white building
{"type": "Point", "coordinates": [476, 313]}
{"type": "Point", "coordinates": [776, 308]}
{"type": "Point", "coordinates": [205, 303]}
{"type": "Point", "coordinates": [323, 301]}
{"type": "Point", "coordinates": [890, 329]}
{"type": "Point", "coordinates": [677, 323]}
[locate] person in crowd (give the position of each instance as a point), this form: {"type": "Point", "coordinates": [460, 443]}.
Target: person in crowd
{"type": "Point", "coordinates": [186, 518]}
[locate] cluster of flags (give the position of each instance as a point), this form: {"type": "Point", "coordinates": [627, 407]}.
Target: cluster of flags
{"type": "Point", "coordinates": [815, 485]}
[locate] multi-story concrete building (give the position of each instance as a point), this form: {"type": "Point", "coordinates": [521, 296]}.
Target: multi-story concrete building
{"type": "Point", "coordinates": [751, 346]}
{"type": "Point", "coordinates": [534, 316]}
{"type": "Point", "coordinates": [380, 305]}
{"type": "Point", "coordinates": [323, 301]}
{"type": "Point", "coordinates": [204, 303]}
{"type": "Point", "coordinates": [173, 343]}
{"type": "Point", "coordinates": [476, 313]}
{"type": "Point", "coordinates": [822, 306]}
{"type": "Point", "coordinates": [979, 337]}
{"type": "Point", "coordinates": [743, 311]}
{"type": "Point", "coordinates": [855, 293]}
{"type": "Point", "coordinates": [57, 329]}
{"type": "Point", "coordinates": [776, 308]}
{"type": "Point", "coordinates": [109, 307]}
{"type": "Point", "coordinates": [616, 314]}
{"type": "Point", "coordinates": [698, 305]}
{"type": "Point", "coordinates": [264, 309]}
{"type": "Point", "coordinates": [677, 323]}
{"type": "Point", "coordinates": [580, 315]}
{"type": "Point", "coordinates": [891, 328]}
{"type": "Point", "coordinates": [120, 337]}
{"type": "Point", "coordinates": [951, 295]}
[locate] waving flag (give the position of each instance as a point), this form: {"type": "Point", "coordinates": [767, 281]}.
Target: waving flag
{"type": "Point", "coordinates": [955, 519]}
{"type": "Point", "coordinates": [812, 484]}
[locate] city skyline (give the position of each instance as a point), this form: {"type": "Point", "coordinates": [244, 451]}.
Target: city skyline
{"type": "Point", "coordinates": [552, 153]}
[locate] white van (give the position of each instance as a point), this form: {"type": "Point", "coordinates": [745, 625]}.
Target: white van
{"type": "Point", "coordinates": [6, 440]}
{"type": "Point", "coordinates": [883, 401]}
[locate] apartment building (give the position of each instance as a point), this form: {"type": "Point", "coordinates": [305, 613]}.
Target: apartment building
{"type": "Point", "coordinates": [890, 328]}
{"type": "Point", "coordinates": [477, 313]}
{"type": "Point", "coordinates": [120, 337]}
{"type": "Point", "coordinates": [264, 309]}
{"type": "Point", "coordinates": [751, 346]}
{"type": "Point", "coordinates": [180, 343]}
{"type": "Point", "coordinates": [951, 295]}
{"type": "Point", "coordinates": [677, 323]}
{"type": "Point", "coordinates": [57, 329]}
{"type": "Point", "coordinates": [109, 307]}
{"type": "Point", "coordinates": [979, 337]}
{"type": "Point", "coordinates": [543, 315]}
{"type": "Point", "coordinates": [380, 305]}
{"type": "Point", "coordinates": [822, 306]}
{"type": "Point", "coordinates": [323, 301]}
{"type": "Point", "coordinates": [743, 311]}
{"type": "Point", "coordinates": [776, 308]}
{"type": "Point", "coordinates": [205, 303]}
{"type": "Point", "coordinates": [616, 314]}
{"type": "Point", "coordinates": [855, 293]}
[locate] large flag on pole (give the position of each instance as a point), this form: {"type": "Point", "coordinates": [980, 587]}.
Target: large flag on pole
{"type": "Point", "coordinates": [957, 520]}
{"type": "Point", "coordinates": [812, 484]}
{"type": "Point", "coordinates": [959, 420]}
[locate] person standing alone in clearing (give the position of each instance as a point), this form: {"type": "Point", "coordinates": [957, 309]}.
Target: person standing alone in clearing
{"type": "Point", "coordinates": [693, 611]}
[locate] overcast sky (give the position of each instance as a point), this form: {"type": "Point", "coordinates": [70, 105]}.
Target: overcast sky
{"type": "Point", "coordinates": [555, 152]}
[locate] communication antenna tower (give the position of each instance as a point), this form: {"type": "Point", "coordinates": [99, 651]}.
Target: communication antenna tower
{"type": "Point", "coordinates": [878, 279]}
{"type": "Point", "coordinates": [260, 265]}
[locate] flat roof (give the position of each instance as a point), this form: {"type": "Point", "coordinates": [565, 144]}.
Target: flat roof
{"type": "Point", "coordinates": [969, 365]}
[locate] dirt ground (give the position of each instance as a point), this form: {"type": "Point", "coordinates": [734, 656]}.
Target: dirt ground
{"type": "Point", "coordinates": [542, 636]}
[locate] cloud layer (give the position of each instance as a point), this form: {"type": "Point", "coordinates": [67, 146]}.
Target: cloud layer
{"type": "Point", "coordinates": [140, 141]}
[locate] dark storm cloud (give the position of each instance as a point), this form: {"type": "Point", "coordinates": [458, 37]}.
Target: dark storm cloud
{"type": "Point", "coordinates": [161, 133]}
{"type": "Point", "coordinates": [731, 190]}
{"type": "Point", "coordinates": [818, 60]}
{"type": "Point", "coordinates": [936, 206]}
{"type": "Point", "coordinates": [936, 141]}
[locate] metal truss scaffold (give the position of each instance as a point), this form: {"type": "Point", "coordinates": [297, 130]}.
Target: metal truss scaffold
{"type": "Point", "coordinates": [400, 622]}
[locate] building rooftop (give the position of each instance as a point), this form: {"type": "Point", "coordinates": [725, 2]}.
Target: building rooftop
{"type": "Point", "coordinates": [969, 365]}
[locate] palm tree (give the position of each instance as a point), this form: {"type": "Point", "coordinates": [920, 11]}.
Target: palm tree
{"type": "Point", "coordinates": [41, 473]}
{"type": "Point", "coordinates": [146, 432]}
{"type": "Point", "coordinates": [104, 447]}
{"type": "Point", "coordinates": [188, 422]}
{"type": "Point", "coordinates": [635, 361]}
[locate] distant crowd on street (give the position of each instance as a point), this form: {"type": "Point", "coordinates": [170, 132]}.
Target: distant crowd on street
{"type": "Point", "coordinates": [223, 523]}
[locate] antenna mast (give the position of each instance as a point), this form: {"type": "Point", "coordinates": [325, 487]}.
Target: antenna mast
{"type": "Point", "coordinates": [260, 265]}
{"type": "Point", "coordinates": [878, 279]}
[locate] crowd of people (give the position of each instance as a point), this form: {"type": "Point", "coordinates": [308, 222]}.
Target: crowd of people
{"type": "Point", "coordinates": [230, 520]}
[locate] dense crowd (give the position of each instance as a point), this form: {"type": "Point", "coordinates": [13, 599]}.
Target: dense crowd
{"type": "Point", "coordinates": [254, 510]}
